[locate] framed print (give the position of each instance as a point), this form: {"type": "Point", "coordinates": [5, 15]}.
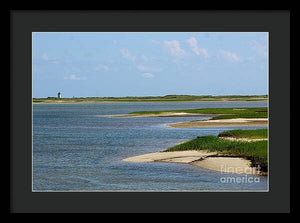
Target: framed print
{"type": "Point", "coordinates": [151, 109]}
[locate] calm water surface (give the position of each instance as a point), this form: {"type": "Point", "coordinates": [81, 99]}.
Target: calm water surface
{"type": "Point", "coordinates": [74, 149]}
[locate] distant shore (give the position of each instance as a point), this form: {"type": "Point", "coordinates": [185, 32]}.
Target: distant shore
{"type": "Point", "coordinates": [166, 98]}
{"type": "Point", "coordinates": [100, 102]}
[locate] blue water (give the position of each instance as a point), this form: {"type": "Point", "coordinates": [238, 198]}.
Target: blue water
{"type": "Point", "coordinates": [74, 149]}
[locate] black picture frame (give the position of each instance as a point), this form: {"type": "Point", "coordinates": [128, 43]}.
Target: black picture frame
{"type": "Point", "coordinates": [23, 23]}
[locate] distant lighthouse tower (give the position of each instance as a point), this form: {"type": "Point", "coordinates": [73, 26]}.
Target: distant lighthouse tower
{"type": "Point", "coordinates": [59, 95]}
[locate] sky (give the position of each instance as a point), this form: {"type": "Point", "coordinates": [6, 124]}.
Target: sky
{"type": "Point", "coordinates": [149, 64]}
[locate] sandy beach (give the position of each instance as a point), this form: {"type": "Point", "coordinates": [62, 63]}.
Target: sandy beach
{"type": "Point", "coordinates": [178, 156]}
{"type": "Point", "coordinates": [222, 123]}
{"type": "Point", "coordinates": [227, 165]}
{"type": "Point", "coordinates": [201, 123]}
{"type": "Point", "coordinates": [203, 159]}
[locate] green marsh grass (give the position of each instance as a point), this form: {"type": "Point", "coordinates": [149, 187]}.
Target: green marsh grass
{"type": "Point", "coordinates": [256, 152]}
{"type": "Point", "coordinates": [250, 134]}
{"type": "Point", "coordinates": [222, 113]}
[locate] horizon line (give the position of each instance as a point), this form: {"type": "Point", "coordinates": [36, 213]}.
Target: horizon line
{"type": "Point", "coordinates": [160, 96]}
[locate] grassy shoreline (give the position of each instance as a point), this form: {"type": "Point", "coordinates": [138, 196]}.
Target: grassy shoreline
{"type": "Point", "coordinates": [166, 98]}
{"type": "Point", "coordinates": [249, 134]}
{"type": "Point", "coordinates": [255, 151]}
{"type": "Point", "coordinates": [219, 113]}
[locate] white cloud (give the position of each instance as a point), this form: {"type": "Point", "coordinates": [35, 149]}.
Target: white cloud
{"type": "Point", "coordinates": [45, 57]}
{"type": "Point", "coordinates": [126, 54]}
{"type": "Point", "coordinates": [145, 58]}
{"type": "Point", "coordinates": [259, 47]}
{"type": "Point", "coordinates": [148, 75]}
{"type": "Point", "coordinates": [141, 67]}
{"type": "Point", "coordinates": [193, 43]}
{"type": "Point", "coordinates": [74, 77]}
{"type": "Point", "coordinates": [230, 56]}
{"type": "Point", "coordinates": [101, 67]}
{"type": "Point", "coordinates": [203, 52]}
{"type": "Point", "coordinates": [106, 68]}
{"type": "Point", "coordinates": [155, 41]}
{"type": "Point", "coordinates": [174, 48]}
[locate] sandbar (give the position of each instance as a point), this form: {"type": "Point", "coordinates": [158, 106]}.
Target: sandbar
{"type": "Point", "coordinates": [165, 114]}
{"type": "Point", "coordinates": [203, 159]}
{"type": "Point", "coordinates": [222, 123]}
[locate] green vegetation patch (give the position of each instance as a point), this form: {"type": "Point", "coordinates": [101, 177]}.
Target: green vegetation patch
{"type": "Point", "coordinates": [222, 113]}
{"type": "Point", "coordinates": [250, 134]}
{"type": "Point", "coordinates": [256, 152]}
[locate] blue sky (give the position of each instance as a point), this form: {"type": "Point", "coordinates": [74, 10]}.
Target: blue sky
{"type": "Point", "coordinates": [144, 64]}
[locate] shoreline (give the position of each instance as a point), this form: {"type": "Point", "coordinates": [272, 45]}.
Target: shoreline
{"type": "Point", "coordinates": [100, 102]}
{"type": "Point", "coordinates": [237, 122]}
{"type": "Point", "coordinates": [204, 159]}
{"type": "Point", "coordinates": [212, 153]}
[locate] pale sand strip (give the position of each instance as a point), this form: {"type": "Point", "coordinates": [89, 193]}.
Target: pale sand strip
{"type": "Point", "coordinates": [222, 123]}
{"type": "Point", "coordinates": [242, 139]}
{"type": "Point", "coordinates": [182, 156]}
{"type": "Point", "coordinates": [204, 159]}
{"type": "Point", "coordinates": [165, 114]}
{"type": "Point", "coordinates": [227, 165]}
{"type": "Point", "coordinates": [201, 123]}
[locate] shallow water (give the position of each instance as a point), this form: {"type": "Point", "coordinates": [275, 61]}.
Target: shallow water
{"type": "Point", "coordinates": [76, 150]}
